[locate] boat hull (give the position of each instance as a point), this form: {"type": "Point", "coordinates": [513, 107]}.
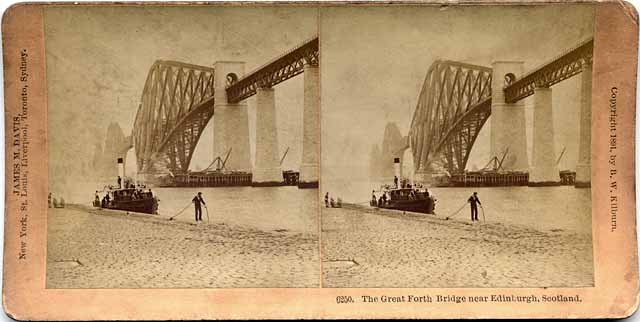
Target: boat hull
{"type": "Point", "coordinates": [421, 207]}
{"type": "Point", "coordinates": [148, 206]}
{"type": "Point", "coordinates": [425, 206]}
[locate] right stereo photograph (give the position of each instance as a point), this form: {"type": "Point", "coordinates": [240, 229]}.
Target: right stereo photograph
{"type": "Point", "coordinates": [456, 146]}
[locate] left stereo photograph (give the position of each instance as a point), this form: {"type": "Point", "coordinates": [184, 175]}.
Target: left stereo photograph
{"type": "Point", "coordinates": [186, 134]}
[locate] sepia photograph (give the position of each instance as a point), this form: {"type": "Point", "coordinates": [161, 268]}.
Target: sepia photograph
{"type": "Point", "coordinates": [456, 146]}
{"type": "Point", "coordinates": [182, 146]}
{"type": "Point", "coordinates": [196, 161]}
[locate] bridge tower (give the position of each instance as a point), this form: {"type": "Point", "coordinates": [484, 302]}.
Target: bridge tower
{"type": "Point", "coordinates": [267, 169]}
{"type": "Point", "coordinates": [231, 120]}
{"type": "Point", "coordinates": [508, 132]}
{"type": "Point", "coordinates": [583, 168]}
{"type": "Point", "coordinates": [543, 168]}
{"type": "Point", "coordinates": [309, 166]}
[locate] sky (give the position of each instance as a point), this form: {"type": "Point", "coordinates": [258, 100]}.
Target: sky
{"type": "Point", "coordinates": [374, 61]}
{"type": "Point", "coordinates": [98, 59]}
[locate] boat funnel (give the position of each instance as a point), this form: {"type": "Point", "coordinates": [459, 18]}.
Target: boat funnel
{"type": "Point", "coordinates": [397, 168]}
{"type": "Point", "coordinates": [121, 168]}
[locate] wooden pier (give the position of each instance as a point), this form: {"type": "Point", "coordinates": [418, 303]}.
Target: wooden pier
{"type": "Point", "coordinates": [498, 179]}
{"type": "Point", "coordinates": [484, 179]}
{"type": "Point", "coordinates": [223, 179]}
{"type": "Point", "coordinates": [213, 179]}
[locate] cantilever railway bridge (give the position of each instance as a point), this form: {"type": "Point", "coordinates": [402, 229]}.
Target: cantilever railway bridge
{"type": "Point", "coordinates": [457, 99]}
{"type": "Point", "coordinates": [179, 100]}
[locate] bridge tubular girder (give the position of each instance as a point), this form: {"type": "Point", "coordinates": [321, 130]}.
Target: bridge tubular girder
{"type": "Point", "coordinates": [453, 105]}
{"type": "Point", "coordinates": [564, 66]}
{"type": "Point", "coordinates": [276, 71]}
{"type": "Point", "coordinates": [176, 105]}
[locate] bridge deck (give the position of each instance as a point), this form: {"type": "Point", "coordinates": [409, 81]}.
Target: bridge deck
{"type": "Point", "coordinates": [566, 65]}
{"type": "Point", "coordinates": [275, 71]}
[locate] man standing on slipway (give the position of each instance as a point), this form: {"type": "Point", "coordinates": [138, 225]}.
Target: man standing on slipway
{"type": "Point", "coordinates": [474, 201]}
{"type": "Point", "coordinates": [197, 200]}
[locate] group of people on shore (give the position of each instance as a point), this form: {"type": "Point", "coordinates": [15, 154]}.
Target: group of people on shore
{"type": "Point", "coordinates": [378, 202]}
{"type": "Point", "coordinates": [54, 202]}
{"type": "Point", "coordinates": [329, 202]}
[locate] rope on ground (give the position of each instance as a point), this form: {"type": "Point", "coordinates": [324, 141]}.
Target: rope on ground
{"type": "Point", "coordinates": [453, 214]}
{"type": "Point", "coordinates": [179, 212]}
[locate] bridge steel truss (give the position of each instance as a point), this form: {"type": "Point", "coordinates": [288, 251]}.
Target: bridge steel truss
{"type": "Point", "coordinates": [276, 71]}
{"type": "Point", "coordinates": [565, 66]}
{"type": "Point", "coordinates": [176, 105]}
{"type": "Point", "coordinates": [454, 104]}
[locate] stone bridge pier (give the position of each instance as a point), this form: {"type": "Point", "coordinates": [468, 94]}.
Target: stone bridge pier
{"type": "Point", "coordinates": [508, 132]}
{"type": "Point", "coordinates": [310, 128]}
{"type": "Point", "coordinates": [267, 169]}
{"type": "Point", "coordinates": [583, 168]}
{"type": "Point", "coordinates": [544, 169]}
{"type": "Point", "coordinates": [231, 120]}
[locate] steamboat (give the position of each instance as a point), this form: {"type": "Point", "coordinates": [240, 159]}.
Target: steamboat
{"type": "Point", "coordinates": [128, 199]}
{"type": "Point", "coordinates": [403, 195]}
{"type": "Point", "coordinates": [127, 196]}
{"type": "Point", "coordinates": [407, 199]}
